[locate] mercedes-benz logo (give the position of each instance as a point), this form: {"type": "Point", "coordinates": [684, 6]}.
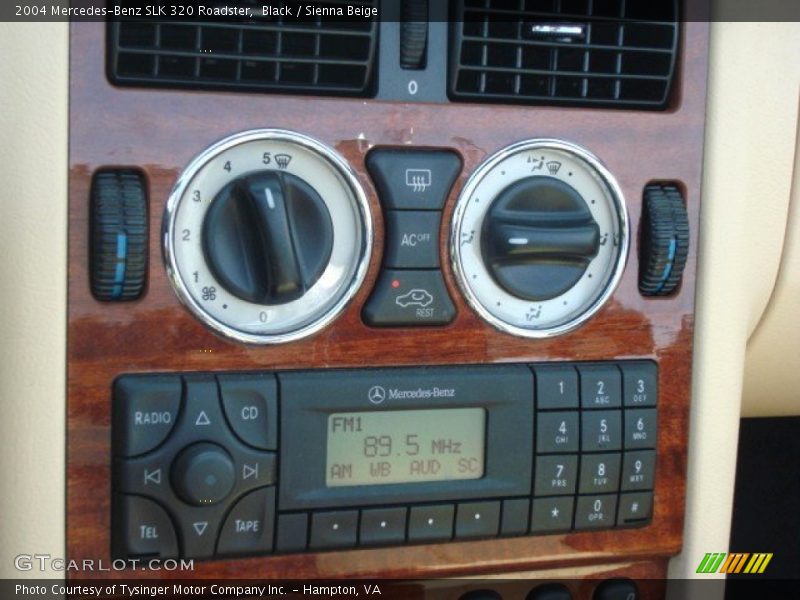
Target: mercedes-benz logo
{"type": "Point", "coordinates": [376, 394]}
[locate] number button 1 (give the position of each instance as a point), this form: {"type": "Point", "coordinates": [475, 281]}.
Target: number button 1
{"type": "Point", "coordinates": [556, 387]}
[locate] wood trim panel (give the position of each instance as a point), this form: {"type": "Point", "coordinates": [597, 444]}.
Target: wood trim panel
{"type": "Point", "coordinates": [161, 131]}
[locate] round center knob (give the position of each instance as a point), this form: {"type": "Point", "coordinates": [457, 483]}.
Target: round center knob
{"type": "Point", "coordinates": [267, 237]}
{"type": "Point", "coordinates": [538, 238]}
{"type": "Point", "coordinates": [203, 474]}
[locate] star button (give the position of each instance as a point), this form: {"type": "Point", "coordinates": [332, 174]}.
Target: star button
{"type": "Point", "coordinates": [555, 512]}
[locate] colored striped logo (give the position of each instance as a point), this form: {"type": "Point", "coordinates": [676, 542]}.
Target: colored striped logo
{"type": "Point", "coordinates": [723, 562]}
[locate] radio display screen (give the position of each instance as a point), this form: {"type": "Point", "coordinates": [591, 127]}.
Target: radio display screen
{"type": "Point", "coordinates": [403, 446]}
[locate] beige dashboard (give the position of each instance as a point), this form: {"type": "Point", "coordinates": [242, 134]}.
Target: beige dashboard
{"type": "Point", "coordinates": [747, 335]}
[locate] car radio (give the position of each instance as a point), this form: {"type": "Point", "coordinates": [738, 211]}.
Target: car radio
{"type": "Point", "coordinates": [319, 460]}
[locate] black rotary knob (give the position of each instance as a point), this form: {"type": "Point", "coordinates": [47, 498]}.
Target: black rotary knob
{"type": "Point", "coordinates": [118, 255]}
{"type": "Point", "coordinates": [664, 243]}
{"type": "Point", "coordinates": [267, 237]}
{"type": "Point", "coordinates": [203, 474]}
{"type": "Point", "coordinates": [538, 238]}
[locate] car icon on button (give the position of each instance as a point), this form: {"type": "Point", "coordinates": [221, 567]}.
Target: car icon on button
{"type": "Point", "coordinates": [415, 297]}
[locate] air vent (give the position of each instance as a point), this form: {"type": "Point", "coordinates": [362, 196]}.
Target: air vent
{"type": "Point", "coordinates": [270, 54]}
{"type": "Point", "coordinates": [612, 53]}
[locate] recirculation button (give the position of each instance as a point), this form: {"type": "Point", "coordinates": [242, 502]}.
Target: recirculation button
{"type": "Point", "coordinates": [409, 298]}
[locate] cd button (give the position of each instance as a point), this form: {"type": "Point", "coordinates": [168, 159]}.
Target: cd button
{"type": "Point", "coordinates": [251, 405]}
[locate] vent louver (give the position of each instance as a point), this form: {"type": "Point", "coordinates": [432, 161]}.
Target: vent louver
{"type": "Point", "coordinates": [612, 53]}
{"type": "Point", "coordinates": [269, 54]}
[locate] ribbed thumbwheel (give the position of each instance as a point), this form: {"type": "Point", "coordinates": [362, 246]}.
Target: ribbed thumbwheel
{"type": "Point", "coordinates": [664, 240]}
{"type": "Point", "coordinates": [413, 33]}
{"type": "Point", "coordinates": [118, 259]}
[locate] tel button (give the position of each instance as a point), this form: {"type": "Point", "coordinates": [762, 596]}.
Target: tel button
{"type": "Point", "coordinates": [415, 298]}
{"type": "Point", "coordinates": [145, 411]}
{"type": "Point", "coordinates": [412, 239]}
{"type": "Point", "coordinates": [146, 528]}
{"type": "Point", "coordinates": [251, 406]}
{"type": "Point", "coordinates": [249, 526]}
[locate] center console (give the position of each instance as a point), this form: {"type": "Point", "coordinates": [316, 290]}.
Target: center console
{"type": "Point", "coordinates": [350, 329]}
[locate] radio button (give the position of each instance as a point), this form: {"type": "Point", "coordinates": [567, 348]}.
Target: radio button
{"type": "Point", "coordinates": [413, 179]}
{"type": "Point", "coordinates": [552, 514]}
{"type": "Point", "coordinates": [640, 428]}
{"type": "Point", "coordinates": [601, 386]}
{"type": "Point", "coordinates": [478, 519]}
{"type": "Point", "coordinates": [516, 513]}
{"type": "Point", "coordinates": [557, 432]}
{"type": "Point", "coordinates": [292, 532]}
{"type": "Point", "coordinates": [336, 529]}
{"type": "Point", "coordinates": [599, 473]}
{"type": "Point", "coordinates": [251, 406]}
{"type": "Point", "coordinates": [556, 387]}
{"type": "Point", "coordinates": [601, 430]}
{"type": "Point", "coordinates": [411, 298]}
{"type": "Point", "coordinates": [431, 523]}
{"type": "Point", "coordinates": [383, 526]}
{"type": "Point", "coordinates": [635, 508]}
{"type": "Point", "coordinates": [596, 512]}
{"type": "Point", "coordinates": [555, 475]}
{"type": "Point", "coordinates": [249, 526]}
{"type": "Point", "coordinates": [145, 411]}
{"type": "Point", "coordinates": [638, 470]}
{"type": "Point", "coordinates": [412, 239]}
{"type": "Point", "coordinates": [639, 384]}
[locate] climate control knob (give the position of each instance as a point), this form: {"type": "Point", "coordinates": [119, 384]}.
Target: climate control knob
{"type": "Point", "coordinates": [267, 236]}
{"type": "Point", "coordinates": [539, 238]}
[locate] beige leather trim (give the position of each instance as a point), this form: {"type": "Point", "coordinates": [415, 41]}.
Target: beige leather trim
{"type": "Point", "coordinates": [750, 141]}
{"type": "Point", "coordinates": [33, 247]}
{"type": "Point", "coordinates": [772, 370]}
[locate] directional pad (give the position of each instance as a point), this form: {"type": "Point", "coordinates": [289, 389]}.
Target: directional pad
{"type": "Point", "coordinates": [198, 473]}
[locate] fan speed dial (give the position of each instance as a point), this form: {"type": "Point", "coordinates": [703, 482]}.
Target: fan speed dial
{"type": "Point", "coordinates": [539, 238]}
{"type": "Point", "coordinates": [267, 236]}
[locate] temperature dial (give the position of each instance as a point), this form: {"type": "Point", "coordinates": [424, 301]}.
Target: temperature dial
{"type": "Point", "coordinates": [267, 236]}
{"type": "Point", "coordinates": [539, 238]}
